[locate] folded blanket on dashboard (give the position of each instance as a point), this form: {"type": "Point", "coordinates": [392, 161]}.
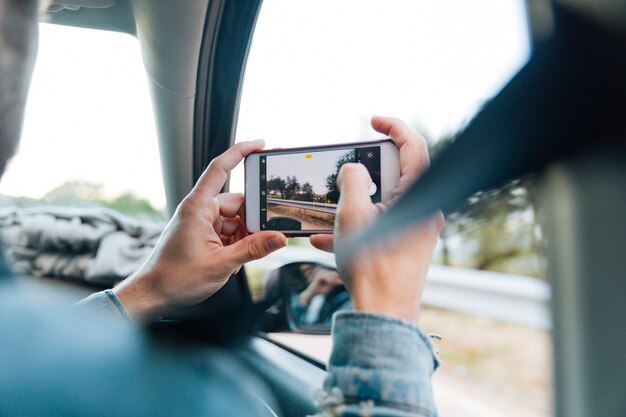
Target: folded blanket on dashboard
{"type": "Point", "coordinates": [96, 245]}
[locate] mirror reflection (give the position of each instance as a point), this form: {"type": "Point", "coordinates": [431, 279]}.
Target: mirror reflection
{"type": "Point", "coordinates": [306, 295]}
{"type": "Point", "coordinates": [316, 292]}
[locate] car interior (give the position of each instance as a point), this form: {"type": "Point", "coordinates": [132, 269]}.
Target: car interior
{"type": "Point", "coordinates": [561, 118]}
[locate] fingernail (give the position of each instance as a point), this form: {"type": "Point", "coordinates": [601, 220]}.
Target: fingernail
{"type": "Point", "coordinates": [276, 242]}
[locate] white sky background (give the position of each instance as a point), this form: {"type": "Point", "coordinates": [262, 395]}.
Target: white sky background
{"type": "Point", "coordinates": [317, 71]}
{"type": "Point", "coordinates": [313, 170]}
{"type": "Point", "coordinates": [89, 118]}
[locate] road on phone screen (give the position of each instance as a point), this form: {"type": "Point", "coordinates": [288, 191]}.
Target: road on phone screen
{"type": "Point", "coordinates": [310, 221]}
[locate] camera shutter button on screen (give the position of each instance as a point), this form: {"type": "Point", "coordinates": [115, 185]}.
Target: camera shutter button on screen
{"type": "Point", "coordinates": [372, 189]}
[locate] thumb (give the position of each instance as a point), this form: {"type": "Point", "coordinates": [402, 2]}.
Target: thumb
{"type": "Point", "coordinates": [355, 205]}
{"type": "Point", "coordinates": [255, 246]}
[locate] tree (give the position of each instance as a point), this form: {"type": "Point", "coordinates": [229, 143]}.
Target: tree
{"type": "Point", "coordinates": [278, 185]}
{"type": "Point", "coordinates": [292, 187]}
{"type": "Point", "coordinates": [500, 225]}
{"type": "Point", "coordinates": [307, 191]}
{"type": "Point", "coordinates": [135, 206]}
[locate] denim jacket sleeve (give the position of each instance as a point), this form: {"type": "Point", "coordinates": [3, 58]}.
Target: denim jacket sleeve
{"type": "Point", "coordinates": [380, 366]}
{"type": "Point", "coordinates": [106, 302]}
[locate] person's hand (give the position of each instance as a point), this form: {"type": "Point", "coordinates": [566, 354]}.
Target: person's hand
{"type": "Point", "coordinates": [323, 281]}
{"type": "Point", "coordinates": [385, 277]}
{"type": "Point", "coordinates": [202, 245]}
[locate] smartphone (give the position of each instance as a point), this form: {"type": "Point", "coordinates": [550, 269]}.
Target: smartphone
{"type": "Point", "coordinates": [295, 190]}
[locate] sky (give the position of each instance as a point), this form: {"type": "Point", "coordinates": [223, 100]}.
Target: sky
{"type": "Point", "coordinates": [313, 169]}
{"type": "Point", "coordinates": [322, 68]}
{"type": "Point", "coordinates": [317, 71]}
{"type": "Point", "coordinates": [88, 118]}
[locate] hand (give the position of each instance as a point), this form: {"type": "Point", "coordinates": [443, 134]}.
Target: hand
{"type": "Point", "coordinates": [323, 281]}
{"type": "Point", "coordinates": [385, 277]}
{"type": "Point", "coordinates": [204, 243]}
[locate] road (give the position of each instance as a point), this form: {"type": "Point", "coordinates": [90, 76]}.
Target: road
{"type": "Point", "coordinates": [310, 219]}
{"type": "Point", "coordinates": [303, 219]}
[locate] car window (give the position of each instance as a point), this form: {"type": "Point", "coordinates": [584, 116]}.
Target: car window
{"type": "Point", "coordinates": [318, 70]}
{"type": "Point", "coordinates": [83, 200]}
{"type": "Point", "coordinates": [89, 137]}
{"type": "Point", "coordinates": [316, 77]}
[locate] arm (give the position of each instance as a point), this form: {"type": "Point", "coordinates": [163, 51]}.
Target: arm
{"type": "Point", "coordinates": [106, 302]}
{"type": "Point", "coordinates": [203, 244]}
{"type": "Point", "coordinates": [380, 363]}
{"type": "Point", "coordinates": [381, 360]}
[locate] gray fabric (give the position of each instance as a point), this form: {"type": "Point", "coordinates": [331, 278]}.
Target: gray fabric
{"type": "Point", "coordinates": [105, 302]}
{"type": "Point", "coordinates": [96, 245]}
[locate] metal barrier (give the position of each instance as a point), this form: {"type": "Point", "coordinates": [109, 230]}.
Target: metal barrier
{"type": "Point", "coordinates": [510, 298]}
{"type": "Point", "coordinates": [305, 205]}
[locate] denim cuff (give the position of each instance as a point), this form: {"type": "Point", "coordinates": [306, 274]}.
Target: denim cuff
{"type": "Point", "coordinates": [107, 302]}
{"type": "Point", "coordinates": [384, 359]}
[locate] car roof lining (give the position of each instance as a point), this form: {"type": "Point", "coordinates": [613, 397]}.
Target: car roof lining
{"type": "Point", "coordinates": [160, 26]}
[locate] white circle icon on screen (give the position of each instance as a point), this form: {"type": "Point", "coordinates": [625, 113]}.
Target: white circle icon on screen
{"type": "Point", "coordinates": [373, 189]}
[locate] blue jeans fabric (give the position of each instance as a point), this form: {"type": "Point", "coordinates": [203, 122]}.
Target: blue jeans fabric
{"type": "Point", "coordinates": [381, 366]}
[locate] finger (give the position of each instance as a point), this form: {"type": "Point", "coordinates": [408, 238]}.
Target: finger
{"type": "Point", "coordinates": [355, 205]}
{"type": "Point", "coordinates": [230, 204]}
{"type": "Point", "coordinates": [253, 247]}
{"type": "Point", "coordinates": [213, 178]}
{"type": "Point", "coordinates": [413, 148]}
{"type": "Point", "coordinates": [240, 233]}
{"type": "Point", "coordinates": [322, 242]}
{"type": "Point", "coordinates": [226, 240]}
{"type": "Point", "coordinates": [230, 226]}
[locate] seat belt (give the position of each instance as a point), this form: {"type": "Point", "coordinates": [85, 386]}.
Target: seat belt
{"type": "Point", "coordinates": [569, 97]}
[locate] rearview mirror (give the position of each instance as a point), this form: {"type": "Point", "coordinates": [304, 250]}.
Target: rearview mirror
{"type": "Point", "coordinates": [303, 297]}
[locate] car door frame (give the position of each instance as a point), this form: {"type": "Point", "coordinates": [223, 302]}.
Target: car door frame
{"type": "Point", "coordinates": [291, 375]}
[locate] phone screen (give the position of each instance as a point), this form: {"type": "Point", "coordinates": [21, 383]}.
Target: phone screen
{"type": "Point", "coordinates": [298, 190]}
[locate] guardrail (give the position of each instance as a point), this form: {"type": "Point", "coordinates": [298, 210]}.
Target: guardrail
{"type": "Point", "coordinates": [509, 298]}
{"type": "Point", "coordinates": [305, 205]}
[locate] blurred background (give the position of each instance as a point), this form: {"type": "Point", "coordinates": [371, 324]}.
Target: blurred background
{"type": "Point", "coordinates": [316, 73]}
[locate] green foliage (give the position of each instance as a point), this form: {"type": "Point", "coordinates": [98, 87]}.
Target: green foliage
{"type": "Point", "coordinates": [84, 194]}
{"type": "Point", "coordinates": [292, 187]}
{"type": "Point", "coordinates": [132, 205]}
{"type": "Point", "coordinates": [307, 193]}
{"type": "Point", "coordinates": [276, 185]}
{"type": "Point", "coordinates": [500, 231]}
{"type": "Point", "coordinates": [496, 230]}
